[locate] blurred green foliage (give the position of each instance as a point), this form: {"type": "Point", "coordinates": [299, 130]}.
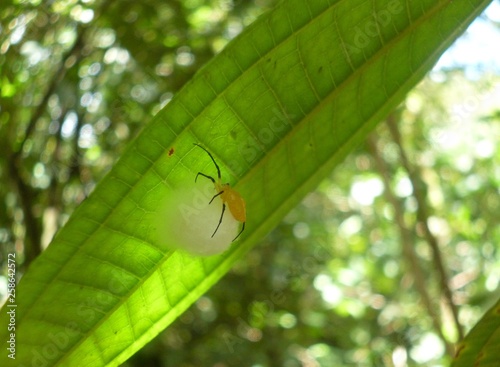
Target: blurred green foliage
{"type": "Point", "coordinates": [344, 279]}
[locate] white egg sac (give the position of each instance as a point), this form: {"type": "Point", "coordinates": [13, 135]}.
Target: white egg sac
{"type": "Point", "coordinates": [187, 221]}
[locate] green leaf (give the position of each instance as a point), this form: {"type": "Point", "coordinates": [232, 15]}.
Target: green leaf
{"type": "Point", "coordinates": [480, 347]}
{"type": "Point", "coordinates": [281, 106]}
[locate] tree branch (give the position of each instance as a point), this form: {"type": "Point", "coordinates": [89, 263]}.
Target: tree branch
{"type": "Point", "coordinates": [27, 195]}
{"type": "Point", "coordinates": [407, 242]}
{"type": "Point", "coordinates": [419, 193]}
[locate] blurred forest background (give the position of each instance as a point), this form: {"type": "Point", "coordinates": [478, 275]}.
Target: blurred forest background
{"type": "Point", "coordinates": [388, 263]}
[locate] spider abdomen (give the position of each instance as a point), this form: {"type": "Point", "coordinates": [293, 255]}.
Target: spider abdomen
{"type": "Point", "coordinates": [235, 203]}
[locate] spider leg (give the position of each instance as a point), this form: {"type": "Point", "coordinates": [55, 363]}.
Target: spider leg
{"type": "Point", "coordinates": [221, 215]}
{"type": "Point", "coordinates": [213, 160]}
{"type": "Point", "coordinates": [220, 193]}
{"type": "Point", "coordinates": [242, 229]}
{"type": "Point", "coordinates": [204, 175]}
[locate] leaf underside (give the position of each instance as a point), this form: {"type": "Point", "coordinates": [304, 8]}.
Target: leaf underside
{"type": "Point", "coordinates": [283, 104]}
{"type": "Point", "coordinates": [480, 347]}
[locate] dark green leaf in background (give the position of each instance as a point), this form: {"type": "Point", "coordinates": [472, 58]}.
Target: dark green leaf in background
{"type": "Point", "coordinates": [480, 347]}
